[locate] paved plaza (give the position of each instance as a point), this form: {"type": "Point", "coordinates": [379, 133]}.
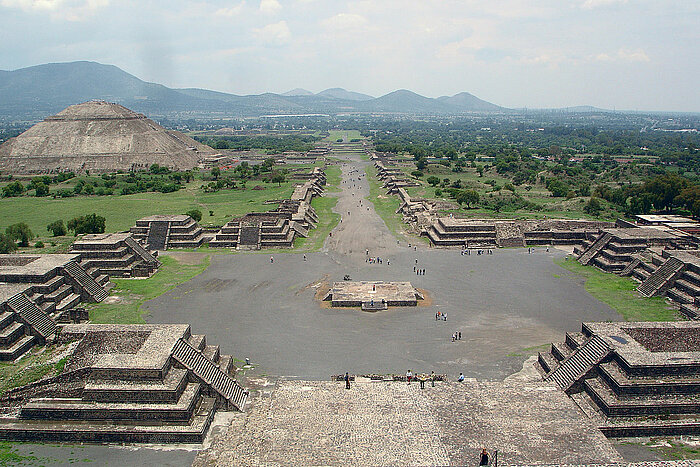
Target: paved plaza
{"type": "Point", "coordinates": [379, 423]}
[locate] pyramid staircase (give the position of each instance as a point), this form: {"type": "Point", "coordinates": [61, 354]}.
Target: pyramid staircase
{"type": "Point", "coordinates": [595, 248]}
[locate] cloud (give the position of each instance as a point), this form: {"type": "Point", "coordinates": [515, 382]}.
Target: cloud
{"type": "Point", "coordinates": [345, 21]}
{"type": "Point", "coordinates": [71, 10]}
{"type": "Point", "coordinates": [591, 4]}
{"type": "Point", "coordinates": [637, 55]}
{"type": "Point", "coordinates": [274, 34]}
{"type": "Point", "coordinates": [270, 7]}
{"type": "Point", "coordinates": [230, 11]}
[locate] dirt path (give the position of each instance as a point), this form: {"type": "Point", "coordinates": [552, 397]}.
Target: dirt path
{"type": "Point", "coordinates": [361, 228]}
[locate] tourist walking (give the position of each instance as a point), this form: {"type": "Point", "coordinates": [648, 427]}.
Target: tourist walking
{"type": "Point", "coordinates": [432, 378]}
{"type": "Point", "coordinates": [421, 379]}
{"type": "Point", "coordinates": [459, 335]}
{"type": "Point", "coordinates": [409, 376]}
{"type": "Point", "coordinates": [461, 378]}
{"type": "Point", "coordinates": [484, 458]}
{"type": "Point", "coordinates": [272, 260]}
{"type": "Point", "coordinates": [347, 380]}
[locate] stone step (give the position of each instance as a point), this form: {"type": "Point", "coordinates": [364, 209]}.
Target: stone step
{"type": "Point", "coordinates": [677, 425]}
{"type": "Point", "coordinates": [168, 389]}
{"type": "Point", "coordinates": [690, 310]}
{"type": "Point", "coordinates": [624, 385]}
{"type": "Point", "coordinates": [687, 287]}
{"type": "Point", "coordinates": [547, 362]}
{"type": "Point", "coordinates": [59, 294]}
{"type": "Point", "coordinates": [226, 365]}
{"type": "Point", "coordinates": [560, 350]}
{"type": "Point", "coordinates": [198, 341]}
{"type": "Point", "coordinates": [579, 363]}
{"type": "Point", "coordinates": [575, 340]}
{"type": "Point", "coordinates": [212, 353]}
{"type": "Point", "coordinates": [6, 318]}
{"type": "Point", "coordinates": [69, 302]}
{"type": "Point", "coordinates": [78, 409]}
{"type": "Point", "coordinates": [679, 296]}
{"type": "Point", "coordinates": [613, 406]}
{"type": "Point", "coordinates": [112, 431]}
{"type": "Point", "coordinates": [16, 350]}
{"type": "Point", "coordinates": [9, 334]}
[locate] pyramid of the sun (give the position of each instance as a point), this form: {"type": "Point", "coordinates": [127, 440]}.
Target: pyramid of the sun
{"type": "Point", "coordinates": [99, 137]}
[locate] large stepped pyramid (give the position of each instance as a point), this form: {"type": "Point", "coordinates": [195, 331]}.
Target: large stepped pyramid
{"type": "Point", "coordinates": [126, 383]}
{"type": "Point", "coordinates": [99, 137]}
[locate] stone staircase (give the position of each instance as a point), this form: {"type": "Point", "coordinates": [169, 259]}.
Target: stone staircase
{"type": "Point", "coordinates": [664, 276]}
{"type": "Point", "coordinates": [580, 362]}
{"type": "Point", "coordinates": [600, 243]}
{"type": "Point", "coordinates": [86, 282]}
{"type": "Point", "coordinates": [32, 315]}
{"type": "Point", "coordinates": [210, 373]}
{"type": "Point", "coordinates": [249, 237]}
{"type": "Point", "coordinates": [158, 235]}
{"type": "Point", "coordinates": [140, 251]}
{"type": "Point", "coordinates": [15, 337]}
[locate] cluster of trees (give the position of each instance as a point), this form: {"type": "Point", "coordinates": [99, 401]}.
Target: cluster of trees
{"type": "Point", "coordinates": [271, 144]}
{"type": "Point", "coordinates": [243, 172]}
{"type": "Point", "coordinates": [668, 192]}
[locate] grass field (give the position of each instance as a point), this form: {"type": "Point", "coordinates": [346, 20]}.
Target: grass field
{"type": "Point", "coordinates": [620, 294]}
{"type": "Point", "coordinates": [38, 363]}
{"type": "Point", "coordinates": [490, 187]}
{"type": "Point", "coordinates": [132, 293]}
{"type": "Point", "coordinates": [346, 135]}
{"type": "Point", "coordinates": [386, 206]}
{"type": "Point", "coordinates": [327, 220]}
{"type": "Point", "coordinates": [121, 212]}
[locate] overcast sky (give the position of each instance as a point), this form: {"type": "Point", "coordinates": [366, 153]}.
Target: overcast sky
{"type": "Point", "coordinates": [623, 54]}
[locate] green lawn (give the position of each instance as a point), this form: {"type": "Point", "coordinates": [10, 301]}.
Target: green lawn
{"type": "Point", "coordinates": [620, 294]}
{"type": "Point", "coordinates": [327, 220]}
{"type": "Point", "coordinates": [347, 135]}
{"type": "Point", "coordinates": [121, 212]}
{"type": "Point", "coordinates": [133, 293]}
{"type": "Point", "coordinates": [386, 206]}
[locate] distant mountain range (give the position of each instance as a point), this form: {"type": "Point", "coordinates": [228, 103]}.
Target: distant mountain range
{"type": "Point", "coordinates": [42, 90]}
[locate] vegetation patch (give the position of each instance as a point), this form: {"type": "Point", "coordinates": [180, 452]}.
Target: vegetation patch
{"type": "Point", "coordinates": [123, 306]}
{"type": "Point", "coordinates": [327, 221]}
{"type": "Point", "coordinates": [620, 294]}
{"type": "Point", "coordinates": [37, 364]}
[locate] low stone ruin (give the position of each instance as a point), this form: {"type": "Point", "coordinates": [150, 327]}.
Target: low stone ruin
{"type": "Point", "coordinates": [116, 255]}
{"type": "Point", "coordinates": [161, 232]}
{"type": "Point", "coordinates": [492, 233]}
{"type": "Point", "coordinates": [275, 229]}
{"type": "Point", "coordinates": [126, 384]}
{"type": "Point", "coordinates": [665, 262]}
{"type": "Point", "coordinates": [633, 379]}
{"type": "Point", "coordinates": [373, 295]}
{"type": "Point", "coordinates": [36, 292]}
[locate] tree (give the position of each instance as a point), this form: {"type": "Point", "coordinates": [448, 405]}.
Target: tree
{"type": "Point", "coordinates": [467, 197]}
{"type": "Point", "coordinates": [20, 232]}
{"type": "Point", "coordinates": [7, 245]}
{"type": "Point", "coordinates": [195, 214]}
{"type": "Point", "coordinates": [13, 189]}
{"type": "Point", "coordinates": [277, 178]}
{"type": "Point", "coordinates": [215, 172]}
{"type": "Point", "coordinates": [91, 224]}
{"type": "Point", "coordinates": [593, 207]}
{"type": "Point", "coordinates": [42, 189]}
{"type": "Point", "coordinates": [57, 228]}
{"type": "Point", "coordinates": [432, 180]}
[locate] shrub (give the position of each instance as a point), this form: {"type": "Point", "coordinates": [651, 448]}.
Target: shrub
{"type": "Point", "coordinates": [195, 214]}
{"type": "Point", "coordinates": [39, 244]}
{"type": "Point", "coordinates": [20, 232]}
{"type": "Point", "coordinates": [57, 228]}
{"type": "Point", "coordinates": [91, 224]}
{"type": "Point", "coordinates": [7, 245]}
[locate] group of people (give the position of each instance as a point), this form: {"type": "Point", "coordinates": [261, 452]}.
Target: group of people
{"type": "Point", "coordinates": [421, 379]}
{"type": "Point", "coordinates": [457, 336]}
{"type": "Point", "coordinates": [441, 316]}
{"type": "Point", "coordinates": [419, 271]}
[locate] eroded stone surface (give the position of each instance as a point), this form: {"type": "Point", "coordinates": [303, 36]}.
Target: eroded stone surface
{"type": "Point", "coordinates": [380, 423]}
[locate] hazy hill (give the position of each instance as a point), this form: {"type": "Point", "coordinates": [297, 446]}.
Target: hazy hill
{"type": "Point", "coordinates": [340, 93]}
{"type": "Point", "coordinates": [469, 102]}
{"type": "Point", "coordinates": [42, 90]}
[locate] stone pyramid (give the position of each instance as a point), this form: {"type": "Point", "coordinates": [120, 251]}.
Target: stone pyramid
{"type": "Point", "coordinates": [100, 137]}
